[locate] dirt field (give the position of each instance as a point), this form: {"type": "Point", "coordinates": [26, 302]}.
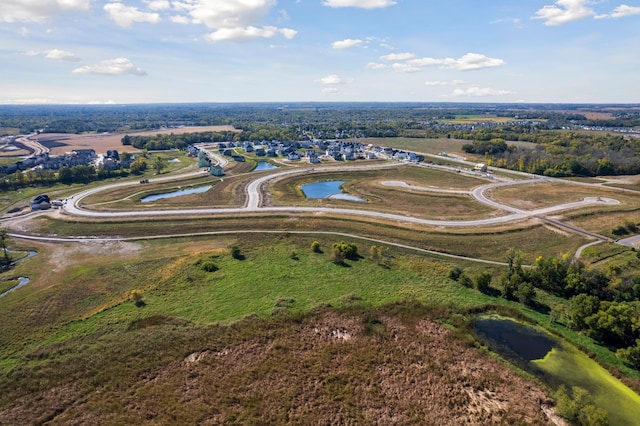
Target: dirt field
{"type": "Point", "coordinates": [59, 143]}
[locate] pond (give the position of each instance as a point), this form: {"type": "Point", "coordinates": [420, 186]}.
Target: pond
{"type": "Point", "coordinates": [156, 197]}
{"type": "Point", "coordinates": [265, 165]}
{"type": "Point", "coordinates": [514, 340]}
{"type": "Point", "coordinates": [328, 189]}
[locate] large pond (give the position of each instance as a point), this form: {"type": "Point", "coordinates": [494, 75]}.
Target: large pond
{"type": "Point", "coordinates": [328, 189]}
{"type": "Point", "coordinates": [265, 165]}
{"type": "Point", "coordinates": [156, 197]}
{"type": "Point", "coordinates": [514, 340]}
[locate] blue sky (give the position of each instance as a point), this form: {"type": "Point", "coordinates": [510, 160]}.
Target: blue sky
{"type": "Point", "coordinates": [149, 51]}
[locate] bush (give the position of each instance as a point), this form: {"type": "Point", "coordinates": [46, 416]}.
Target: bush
{"type": "Point", "coordinates": [209, 266]}
{"type": "Point", "coordinates": [137, 297]}
{"type": "Point", "coordinates": [465, 280]}
{"type": "Point", "coordinates": [483, 281]}
{"type": "Point", "coordinates": [315, 247]}
{"type": "Point", "coordinates": [235, 253]}
{"type": "Point", "coordinates": [455, 273]}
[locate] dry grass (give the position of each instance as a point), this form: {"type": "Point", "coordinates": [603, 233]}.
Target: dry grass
{"type": "Point", "coordinates": [547, 194]}
{"type": "Point", "coordinates": [368, 185]}
{"type": "Point", "coordinates": [395, 365]}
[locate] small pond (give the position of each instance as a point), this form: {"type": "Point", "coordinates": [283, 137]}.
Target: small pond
{"type": "Point", "coordinates": [265, 165]}
{"type": "Point", "coordinates": [514, 340]}
{"type": "Point", "coordinates": [328, 189]}
{"type": "Point", "coordinates": [156, 197]}
{"type": "Point", "coordinates": [21, 282]}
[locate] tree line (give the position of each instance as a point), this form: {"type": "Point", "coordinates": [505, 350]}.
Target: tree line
{"type": "Point", "coordinates": [603, 305]}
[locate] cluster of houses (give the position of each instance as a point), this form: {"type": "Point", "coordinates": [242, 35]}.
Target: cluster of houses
{"type": "Point", "coordinates": [311, 151]}
{"type": "Point", "coordinates": [77, 157]}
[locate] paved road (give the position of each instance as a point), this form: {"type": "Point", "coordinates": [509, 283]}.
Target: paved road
{"type": "Point", "coordinates": [254, 203]}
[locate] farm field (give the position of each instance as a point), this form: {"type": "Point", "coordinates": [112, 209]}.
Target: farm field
{"type": "Point", "coordinates": [59, 143]}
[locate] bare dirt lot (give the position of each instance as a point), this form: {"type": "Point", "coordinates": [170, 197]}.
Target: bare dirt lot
{"type": "Point", "coordinates": [59, 143]}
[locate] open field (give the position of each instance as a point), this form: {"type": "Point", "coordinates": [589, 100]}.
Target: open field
{"type": "Point", "coordinates": [59, 143]}
{"type": "Point", "coordinates": [546, 194]}
{"type": "Point", "coordinates": [74, 330]}
{"type": "Point", "coordinates": [490, 243]}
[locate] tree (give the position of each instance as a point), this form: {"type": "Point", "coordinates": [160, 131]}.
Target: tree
{"type": "Point", "coordinates": [138, 166]}
{"type": "Point", "coordinates": [347, 250]}
{"type": "Point", "coordinates": [137, 297]}
{"type": "Point", "coordinates": [581, 307]}
{"type": "Point", "coordinates": [315, 247]}
{"type": "Point", "coordinates": [455, 273]}
{"type": "Point", "coordinates": [483, 281]}
{"type": "Point", "coordinates": [526, 294]}
{"type": "Point", "coordinates": [159, 164]}
{"type": "Point", "coordinates": [336, 255]}
{"type": "Point", "coordinates": [6, 260]}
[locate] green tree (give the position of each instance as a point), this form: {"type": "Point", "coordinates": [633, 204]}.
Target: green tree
{"type": "Point", "coordinates": [6, 260]}
{"type": "Point", "coordinates": [315, 247]}
{"type": "Point", "coordinates": [347, 250]}
{"type": "Point", "coordinates": [525, 294]}
{"type": "Point", "coordinates": [581, 307]}
{"type": "Point", "coordinates": [455, 273]}
{"type": "Point", "coordinates": [159, 164]}
{"type": "Point", "coordinates": [483, 281]}
{"type": "Point", "coordinates": [138, 166]}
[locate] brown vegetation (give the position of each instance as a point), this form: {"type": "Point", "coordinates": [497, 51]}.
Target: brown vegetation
{"type": "Point", "coordinates": [63, 142]}
{"type": "Point", "coordinates": [395, 365]}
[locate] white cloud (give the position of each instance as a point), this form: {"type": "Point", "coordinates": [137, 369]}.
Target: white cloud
{"type": "Point", "coordinates": [118, 66]}
{"type": "Point", "coordinates": [331, 79]}
{"type": "Point", "coordinates": [158, 4]}
{"type": "Point", "coordinates": [125, 16]}
{"type": "Point", "coordinates": [443, 83]}
{"type": "Point", "coordinates": [564, 11]}
{"type": "Point", "coordinates": [398, 56]}
{"type": "Point", "coordinates": [231, 20]}
{"type": "Point", "coordinates": [475, 91]}
{"type": "Point", "coordinates": [467, 62]}
{"type": "Point", "coordinates": [622, 11]}
{"type": "Point", "coordinates": [330, 90]}
{"type": "Point", "coordinates": [474, 61]}
{"type": "Point", "coordinates": [38, 10]}
{"type": "Point", "coordinates": [515, 21]}
{"type": "Point", "coordinates": [406, 68]}
{"type": "Point", "coordinates": [249, 33]}
{"type": "Point", "coordinates": [57, 54]}
{"type": "Point", "coordinates": [362, 4]}
{"type": "Point", "coordinates": [376, 66]}
{"type": "Point", "coordinates": [61, 55]}
{"type": "Point", "coordinates": [179, 19]}
{"type": "Point", "coordinates": [346, 43]}
{"type": "Point", "coordinates": [227, 13]}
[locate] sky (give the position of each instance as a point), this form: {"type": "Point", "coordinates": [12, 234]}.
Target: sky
{"type": "Point", "coordinates": [177, 51]}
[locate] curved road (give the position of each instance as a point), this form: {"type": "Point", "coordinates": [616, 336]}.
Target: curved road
{"type": "Point", "coordinates": [254, 203]}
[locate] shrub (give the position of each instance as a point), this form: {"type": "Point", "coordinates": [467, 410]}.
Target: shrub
{"type": "Point", "coordinates": [483, 281]}
{"type": "Point", "coordinates": [235, 253]}
{"type": "Point", "coordinates": [137, 297]}
{"type": "Point", "coordinates": [315, 247]}
{"type": "Point", "coordinates": [455, 273]}
{"type": "Point", "coordinates": [209, 266]}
